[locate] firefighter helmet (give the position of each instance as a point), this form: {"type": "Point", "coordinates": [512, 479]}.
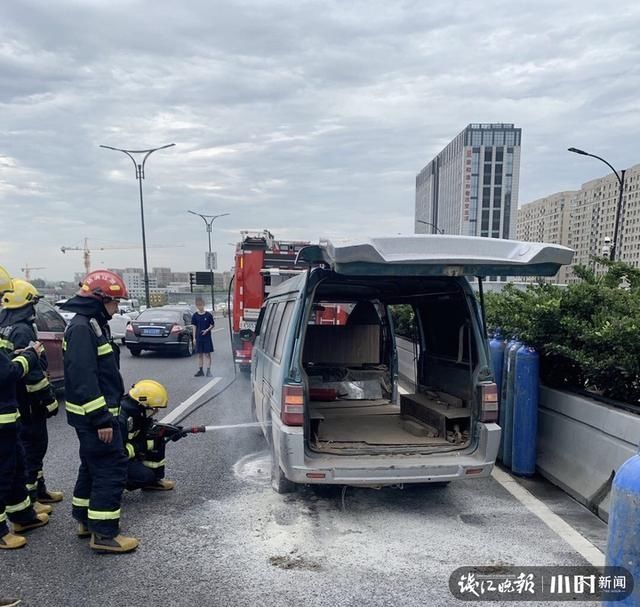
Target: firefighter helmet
{"type": "Point", "coordinates": [6, 284]}
{"type": "Point", "coordinates": [103, 285]}
{"type": "Point", "coordinates": [150, 393]}
{"type": "Point", "coordinates": [23, 293]}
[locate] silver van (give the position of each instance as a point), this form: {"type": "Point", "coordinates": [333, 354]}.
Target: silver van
{"type": "Point", "coordinates": [324, 368]}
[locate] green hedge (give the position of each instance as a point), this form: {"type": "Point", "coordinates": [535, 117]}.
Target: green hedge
{"type": "Point", "coordinates": [588, 333]}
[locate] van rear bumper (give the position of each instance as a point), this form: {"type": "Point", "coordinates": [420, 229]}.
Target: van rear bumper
{"type": "Point", "coordinates": [300, 467]}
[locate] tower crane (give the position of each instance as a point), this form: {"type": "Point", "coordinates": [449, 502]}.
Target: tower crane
{"type": "Point", "coordinates": [86, 251]}
{"type": "Point", "coordinates": [27, 270]}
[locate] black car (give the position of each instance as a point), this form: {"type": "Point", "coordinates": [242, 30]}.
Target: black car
{"type": "Point", "coordinates": [166, 329]}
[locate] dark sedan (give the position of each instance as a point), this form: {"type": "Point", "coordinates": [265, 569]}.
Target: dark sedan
{"type": "Point", "coordinates": [161, 330]}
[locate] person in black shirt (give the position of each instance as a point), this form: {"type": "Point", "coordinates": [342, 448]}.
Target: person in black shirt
{"type": "Point", "coordinates": [203, 324]}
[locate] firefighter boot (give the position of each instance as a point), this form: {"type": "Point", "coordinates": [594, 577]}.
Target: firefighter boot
{"type": "Point", "coordinates": [39, 521]}
{"type": "Point", "coordinates": [42, 508]}
{"type": "Point", "coordinates": [11, 542]}
{"type": "Point", "coordinates": [83, 531]}
{"type": "Point", "coordinates": [48, 496]}
{"type": "Point", "coordinates": [118, 544]}
{"type": "Point", "coordinates": [4, 602]}
{"type": "Point", "coordinates": [162, 485]}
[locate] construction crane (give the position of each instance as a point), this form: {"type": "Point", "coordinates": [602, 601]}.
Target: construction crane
{"type": "Point", "coordinates": [27, 270]}
{"type": "Point", "coordinates": [86, 251]}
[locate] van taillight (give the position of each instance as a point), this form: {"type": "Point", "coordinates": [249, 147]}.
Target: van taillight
{"type": "Point", "coordinates": [489, 402]}
{"type": "Point", "coordinates": [292, 412]}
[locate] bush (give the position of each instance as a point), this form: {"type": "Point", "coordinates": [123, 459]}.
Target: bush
{"type": "Point", "coordinates": [588, 333]}
{"type": "Point", "coordinates": [404, 320]}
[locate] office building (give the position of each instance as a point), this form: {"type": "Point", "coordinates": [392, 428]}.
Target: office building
{"type": "Point", "coordinates": [471, 186]}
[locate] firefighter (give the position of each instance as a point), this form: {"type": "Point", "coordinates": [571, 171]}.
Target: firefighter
{"type": "Point", "coordinates": [15, 504]}
{"type": "Point", "coordinates": [94, 388]}
{"type": "Point", "coordinates": [36, 398]}
{"type": "Point", "coordinates": [144, 450]}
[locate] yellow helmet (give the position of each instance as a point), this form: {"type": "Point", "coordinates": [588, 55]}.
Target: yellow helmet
{"type": "Point", "coordinates": [150, 393]}
{"type": "Point", "coordinates": [23, 293]}
{"type": "Point", "coordinates": [6, 284]}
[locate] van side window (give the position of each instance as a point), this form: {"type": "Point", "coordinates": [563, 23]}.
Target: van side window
{"type": "Point", "coordinates": [264, 330]}
{"type": "Point", "coordinates": [274, 325]}
{"type": "Point", "coordinates": [282, 333]}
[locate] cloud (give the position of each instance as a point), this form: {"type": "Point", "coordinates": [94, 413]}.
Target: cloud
{"type": "Point", "coordinates": [307, 118]}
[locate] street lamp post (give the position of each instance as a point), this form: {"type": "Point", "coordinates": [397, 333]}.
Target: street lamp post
{"type": "Point", "coordinates": [208, 220]}
{"type": "Point", "coordinates": [433, 226]}
{"type": "Point", "coordinates": [139, 167]}
{"type": "Point", "coordinates": [620, 177]}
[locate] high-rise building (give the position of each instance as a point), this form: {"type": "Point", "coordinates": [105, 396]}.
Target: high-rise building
{"type": "Point", "coordinates": [593, 219]}
{"type": "Point", "coordinates": [548, 220]}
{"type": "Point", "coordinates": [471, 186]}
{"type": "Point", "coordinates": [163, 276]}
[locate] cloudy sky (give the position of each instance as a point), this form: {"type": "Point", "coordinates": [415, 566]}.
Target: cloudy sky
{"type": "Point", "coordinates": [310, 118]}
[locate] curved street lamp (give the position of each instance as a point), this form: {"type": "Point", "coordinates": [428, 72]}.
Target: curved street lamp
{"type": "Point", "coordinates": [139, 167]}
{"type": "Point", "coordinates": [434, 227]}
{"type": "Point", "coordinates": [620, 178]}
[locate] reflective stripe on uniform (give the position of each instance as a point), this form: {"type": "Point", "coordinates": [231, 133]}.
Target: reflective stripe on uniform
{"type": "Point", "coordinates": [104, 515]}
{"type": "Point", "coordinates": [64, 345]}
{"type": "Point", "coordinates": [43, 383]}
{"type": "Point", "coordinates": [131, 452]}
{"type": "Point", "coordinates": [31, 486]}
{"type": "Point", "coordinates": [24, 362]}
{"type": "Point", "coordinates": [133, 434]}
{"type": "Point", "coordinates": [90, 407]}
{"type": "Point", "coordinates": [9, 418]}
{"type": "Point", "coordinates": [159, 464]}
{"type": "Point", "coordinates": [114, 411]}
{"type": "Point", "coordinates": [3, 517]}
{"type": "Point", "coordinates": [23, 505]}
{"type": "Point", "coordinates": [79, 502]}
{"type": "Point", "coordinates": [104, 349]}
{"type": "Point", "coordinates": [52, 406]}
{"type": "Point", "coordinates": [150, 444]}
{"type": "Point", "coordinates": [7, 345]}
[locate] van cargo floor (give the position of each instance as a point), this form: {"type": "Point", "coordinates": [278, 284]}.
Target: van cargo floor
{"type": "Point", "coordinates": [389, 429]}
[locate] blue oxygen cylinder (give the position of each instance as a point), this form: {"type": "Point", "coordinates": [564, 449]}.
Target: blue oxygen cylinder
{"type": "Point", "coordinates": [525, 411]}
{"type": "Point", "coordinates": [623, 541]}
{"type": "Point", "coordinates": [508, 384]}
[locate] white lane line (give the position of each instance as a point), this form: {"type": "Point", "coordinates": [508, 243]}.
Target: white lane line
{"type": "Point", "coordinates": [167, 419]}
{"type": "Point", "coordinates": [577, 541]}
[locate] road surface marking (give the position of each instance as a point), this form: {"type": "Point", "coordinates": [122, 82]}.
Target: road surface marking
{"type": "Point", "coordinates": [577, 541]}
{"type": "Point", "coordinates": [168, 419]}
{"type": "Point", "coordinates": [220, 329]}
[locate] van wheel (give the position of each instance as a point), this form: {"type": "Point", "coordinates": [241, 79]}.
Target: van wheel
{"type": "Point", "coordinates": [279, 482]}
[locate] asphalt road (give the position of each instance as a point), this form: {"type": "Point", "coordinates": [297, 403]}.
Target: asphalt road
{"type": "Point", "coordinates": [224, 538]}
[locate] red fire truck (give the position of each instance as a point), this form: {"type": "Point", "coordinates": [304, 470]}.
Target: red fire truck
{"type": "Point", "coordinates": [261, 263]}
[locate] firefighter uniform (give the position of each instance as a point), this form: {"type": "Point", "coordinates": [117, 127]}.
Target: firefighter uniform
{"type": "Point", "coordinates": [36, 398]}
{"type": "Point", "coordinates": [15, 504]}
{"type": "Point", "coordinates": [146, 453]}
{"type": "Point", "coordinates": [94, 388]}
